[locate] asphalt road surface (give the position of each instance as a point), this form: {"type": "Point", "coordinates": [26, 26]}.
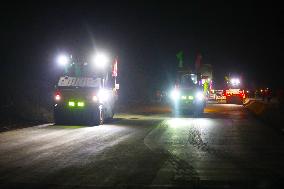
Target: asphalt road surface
{"type": "Point", "coordinates": [227, 148]}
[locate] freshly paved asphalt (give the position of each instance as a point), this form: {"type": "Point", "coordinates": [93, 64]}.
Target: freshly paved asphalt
{"type": "Point", "coordinates": [226, 147]}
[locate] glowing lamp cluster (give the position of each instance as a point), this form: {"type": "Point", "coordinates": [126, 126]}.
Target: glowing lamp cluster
{"type": "Point", "coordinates": [62, 60]}
{"type": "Point", "coordinates": [235, 81]}
{"type": "Point", "coordinates": [100, 60]}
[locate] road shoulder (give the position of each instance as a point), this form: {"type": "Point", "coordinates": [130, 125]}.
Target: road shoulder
{"type": "Point", "coordinates": [269, 113]}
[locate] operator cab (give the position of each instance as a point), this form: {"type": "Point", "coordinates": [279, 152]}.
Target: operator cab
{"type": "Point", "coordinates": [188, 81]}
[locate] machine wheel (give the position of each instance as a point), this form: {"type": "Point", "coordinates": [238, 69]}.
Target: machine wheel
{"type": "Point", "coordinates": [98, 117]}
{"type": "Point", "coordinates": [110, 117]}
{"type": "Point", "coordinates": [57, 118]}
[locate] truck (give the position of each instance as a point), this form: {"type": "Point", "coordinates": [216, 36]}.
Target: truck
{"type": "Point", "coordinates": [234, 92]}
{"type": "Point", "coordinates": [85, 96]}
{"type": "Point", "coordinates": [187, 96]}
{"type": "Point", "coordinates": [219, 95]}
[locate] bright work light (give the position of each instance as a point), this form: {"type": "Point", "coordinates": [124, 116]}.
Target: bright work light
{"type": "Point", "coordinates": [175, 94]}
{"type": "Point", "coordinates": [199, 95]}
{"type": "Point", "coordinates": [235, 81]}
{"type": "Point", "coordinates": [100, 60]}
{"type": "Point", "coordinates": [62, 60]}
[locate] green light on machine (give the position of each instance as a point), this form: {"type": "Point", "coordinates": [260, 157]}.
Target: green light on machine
{"type": "Point", "coordinates": [71, 103]}
{"type": "Point", "coordinates": [183, 97]}
{"type": "Point", "coordinates": [81, 104]}
{"type": "Point", "coordinates": [190, 97]}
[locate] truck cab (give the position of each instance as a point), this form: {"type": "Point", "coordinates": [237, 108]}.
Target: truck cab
{"type": "Point", "coordinates": [234, 94]}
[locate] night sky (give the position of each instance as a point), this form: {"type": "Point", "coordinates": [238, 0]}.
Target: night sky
{"type": "Point", "coordinates": [245, 38]}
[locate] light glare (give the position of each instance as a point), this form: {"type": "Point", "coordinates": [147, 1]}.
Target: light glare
{"type": "Point", "coordinates": [100, 60]}
{"type": "Point", "coordinates": [62, 60]}
{"type": "Point", "coordinates": [175, 94]}
{"type": "Point", "coordinates": [57, 97]}
{"type": "Point", "coordinates": [81, 104]}
{"type": "Point", "coordinates": [199, 95]}
{"type": "Point", "coordinates": [95, 98]}
{"type": "Point", "coordinates": [103, 95]}
{"type": "Point", "coordinates": [235, 81]}
{"type": "Point", "coordinates": [71, 103]}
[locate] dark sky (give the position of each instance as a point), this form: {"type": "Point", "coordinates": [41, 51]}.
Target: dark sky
{"type": "Point", "coordinates": [246, 38]}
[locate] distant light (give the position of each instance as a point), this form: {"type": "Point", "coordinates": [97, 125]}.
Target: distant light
{"type": "Point", "coordinates": [194, 78]}
{"type": "Point", "coordinates": [235, 81]}
{"type": "Point", "coordinates": [183, 97]}
{"type": "Point", "coordinates": [100, 60]}
{"type": "Point", "coordinates": [81, 104]}
{"type": "Point", "coordinates": [62, 60]}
